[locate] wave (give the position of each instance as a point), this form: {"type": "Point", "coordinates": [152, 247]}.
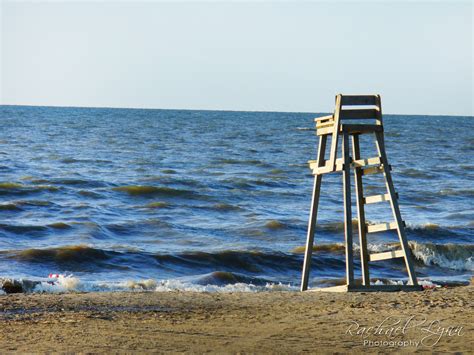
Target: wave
{"type": "Point", "coordinates": [30, 228]}
{"type": "Point", "coordinates": [70, 283]}
{"type": "Point", "coordinates": [158, 204]}
{"type": "Point", "coordinates": [233, 260]}
{"type": "Point", "coordinates": [424, 231]}
{"type": "Point", "coordinates": [457, 192]}
{"type": "Point", "coordinates": [74, 253]}
{"type": "Point", "coordinates": [10, 207]}
{"type": "Point", "coordinates": [79, 257]}
{"type": "Point", "coordinates": [435, 231]}
{"type": "Point", "coordinates": [146, 190]}
{"type": "Point", "coordinates": [219, 282]}
{"type": "Point", "coordinates": [415, 173]}
{"type": "Point", "coordinates": [246, 162]}
{"type": "Point", "coordinates": [274, 224]}
{"type": "Point", "coordinates": [449, 256]}
{"type": "Point", "coordinates": [77, 160]}
{"type": "Point", "coordinates": [331, 248]}
{"type": "Point", "coordinates": [13, 188]}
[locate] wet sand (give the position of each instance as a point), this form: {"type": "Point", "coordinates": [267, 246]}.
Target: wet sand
{"type": "Point", "coordinates": [276, 322]}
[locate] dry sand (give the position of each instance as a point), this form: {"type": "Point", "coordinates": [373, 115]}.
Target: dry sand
{"type": "Point", "coordinates": [276, 322]}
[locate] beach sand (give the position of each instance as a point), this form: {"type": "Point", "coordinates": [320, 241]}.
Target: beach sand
{"type": "Point", "coordinates": [270, 322]}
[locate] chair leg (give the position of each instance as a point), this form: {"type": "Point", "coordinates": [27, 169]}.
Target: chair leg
{"type": "Point", "coordinates": [313, 215]}
{"type": "Point", "coordinates": [364, 257]}
{"type": "Point", "coordinates": [347, 210]}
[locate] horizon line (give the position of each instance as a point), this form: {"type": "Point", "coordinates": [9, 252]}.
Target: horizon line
{"type": "Point", "coordinates": [215, 110]}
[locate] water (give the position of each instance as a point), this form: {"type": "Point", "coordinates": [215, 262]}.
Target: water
{"type": "Point", "coordinates": [211, 200]}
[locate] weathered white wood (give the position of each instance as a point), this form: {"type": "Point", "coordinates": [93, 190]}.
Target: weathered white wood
{"type": "Point", "coordinates": [331, 125]}
{"type": "Point", "coordinates": [325, 131]}
{"type": "Point", "coordinates": [335, 133]}
{"type": "Point", "coordinates": [341, 288]}
{"type": "Point", "coordinates": [347, 210]}
{"type": "Point", "coordinates": [360, 213]}
{"type": "Point", "coordinates": [326, 168]}
{"type": "Point", "coordinates": [381, 227]}
{"type": "Point", "coordinates": [324, 124]}
{"type": "Point", "coordinates": [313, 216]}
{"type": "Point", "coordinates": [366, 162]}
{"type": "Point", "coordinates": [376, 198]}
{"type": "Point", "coordinates": [387, 255]}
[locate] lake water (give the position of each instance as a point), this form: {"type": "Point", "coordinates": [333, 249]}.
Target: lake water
{"type": "Point", "coordinates": [215, 200]}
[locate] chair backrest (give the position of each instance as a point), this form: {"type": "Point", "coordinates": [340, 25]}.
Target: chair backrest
{"type": "Point", "coordinates": [349, 107]}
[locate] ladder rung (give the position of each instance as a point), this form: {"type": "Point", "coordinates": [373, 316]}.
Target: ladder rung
{"type": "Point", "coordinates": [374, 228]}
{"type": "Point", "coordinates": [387, 255]}
{"type": "Point", "coordinates": [366, 162]}
{"type": "Point", "coordinates": [376, 198]}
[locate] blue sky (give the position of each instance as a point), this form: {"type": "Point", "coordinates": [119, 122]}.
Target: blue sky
{"type": "Point", "coordinates": [265, 56]}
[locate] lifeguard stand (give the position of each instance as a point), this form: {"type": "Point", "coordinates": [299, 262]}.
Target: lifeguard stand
{"type": "Point", "coordinates": [348, 107]}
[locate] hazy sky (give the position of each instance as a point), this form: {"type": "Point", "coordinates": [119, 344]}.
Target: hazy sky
{"type": "Point", "coordinates": [272, 56]}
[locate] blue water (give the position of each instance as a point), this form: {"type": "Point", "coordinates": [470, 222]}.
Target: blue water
{"type": "Point", "coordinates": [216, 198]}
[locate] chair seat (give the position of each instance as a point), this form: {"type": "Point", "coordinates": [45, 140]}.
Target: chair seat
{"type": "Point", "coordinates": [349, 128]}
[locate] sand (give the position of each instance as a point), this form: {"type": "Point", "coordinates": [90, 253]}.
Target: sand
{"type": "Point", "coordinates": [273, 322]}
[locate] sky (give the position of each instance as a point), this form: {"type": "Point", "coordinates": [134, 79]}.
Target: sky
{"type": "Point", "coordinates": [255, 56]}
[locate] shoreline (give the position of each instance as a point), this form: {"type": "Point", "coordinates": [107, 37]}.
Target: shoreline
{"type": "Point", "coordinates": [265, 322]}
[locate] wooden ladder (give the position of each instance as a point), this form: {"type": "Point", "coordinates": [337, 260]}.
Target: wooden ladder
{"type": "Point", "coordinates": [347, 109]}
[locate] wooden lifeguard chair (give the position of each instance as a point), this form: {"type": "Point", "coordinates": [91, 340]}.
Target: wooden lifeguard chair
{"type": "Point", "coordinates": [348, 107]}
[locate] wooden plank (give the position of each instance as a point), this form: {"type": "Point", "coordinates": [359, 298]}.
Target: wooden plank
{"type": "Point", "coordinates": [384, 288]}
{"type": "Point", "coordinates": [372, 170]}
{"type": "Point", "coordinates": [368, 288]}
{"type": "Point", "coordinates": [361, 128]}
{"type": "Point", "coordinates": [350, 128]}
{"type": "Point", "coordinates": [342, 288]}
{"type": "Point", "coordinates": [365, 113]}
{"type": "Point", "coordinates": [395, 208]}
{"type": "Point", "coordinates": [378, 103]}
{"type": "Point", "coordinates": [387, 255]}
{"type": "Point", "coordinates": [325, 131]}
{"type": "Point", "coordinates": [366, 162]}
{"type": "Point", "coordinates": [325, 124]}
{"type": "Point", "coordinates": [335, 133]}
{"type": "Point", "coordinates": [360, 213]}
{"type": "Point", "coordinates": [376, 198]}
{"type": "Point", "coordinates": [346, 180]}
{"type": "Point", "coordinates": [358, 100]}
{"type": "Point", "coordinates": [323, 118]}
{"type": "Point", "coordinates": [381, 227]}
{"type": "Point", "coordinates": [313, 216]}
